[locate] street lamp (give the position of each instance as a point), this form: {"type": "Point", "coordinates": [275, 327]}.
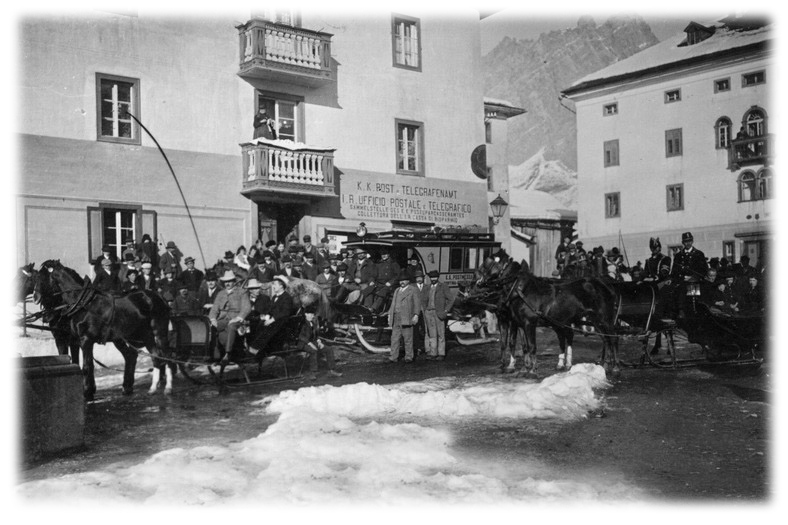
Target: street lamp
{"type": "Point", "coordinates": [498, 206]}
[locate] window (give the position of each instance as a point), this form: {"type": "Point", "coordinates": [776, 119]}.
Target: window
{"type": "Point", "coordinates": [285, 114]}
{"type": "Point", "coordinates": [406, 42]}
{"type": "Point", "coordinates": [610, 109]}
{"type": "Point", "coordinates": [675, 197]}
{"type": "Point", "coordinates": [611, 153]}
{"type": "Point", "coordinates": [723, 84]}
{"type": "Point", "coordinates": [755, 123]}
{"type": "Point", "coordinates": [729, 250]}
{"type": "Point", "coordinates": [116, 224]}
{"type": "Point", "coordinates": [752, 79]}
{"type": "Point", "coordinates": [410, 147]}
{"type": "Point", "coordinates": [747, 186]}
{"type": "Point", "coordinates": [673, 142]}
{"type": "Point", "coordinates": [488, 132]}
{"type": "Point", "coordinates": [612, 205]}
{"type": "Point", "coordinates": [722, 132]}
{"type": "Point", "coordinates": [764, 184]}
{"type": "Point", "coordinates": [673, 95]}
{"type": "Point", "coordinates": [115, 98]}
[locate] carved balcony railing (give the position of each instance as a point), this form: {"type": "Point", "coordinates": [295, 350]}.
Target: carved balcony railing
{"type": "Point", "coordinates": [271, 51]}
{"type": "Point", "coordinates": [749, 151]}
{"type": "Point", "coordinates": [287, 167]}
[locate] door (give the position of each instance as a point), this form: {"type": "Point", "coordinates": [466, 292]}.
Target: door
{"type": "Point", "coordinates": [753, 250]}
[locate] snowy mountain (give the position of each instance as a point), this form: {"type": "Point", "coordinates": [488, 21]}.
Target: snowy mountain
{"type": "Point", "coordinates": [549, 176]}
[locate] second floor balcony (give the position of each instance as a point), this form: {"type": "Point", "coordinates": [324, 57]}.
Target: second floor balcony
{"type": "Point", "coordinates": [286, 167]}
{"type": "Point", "coordinates": [278, 52]}
{"type": "Point", "coordinates": [749, 151]}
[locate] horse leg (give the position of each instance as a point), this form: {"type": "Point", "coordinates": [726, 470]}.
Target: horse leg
{"type": "Point", "coordinates": [507, 361]}
{"type": "Point", "coordinates": [89, 390]}
{"type": "Point", "coordinates": [657, 344]}
{"type": "Point", "coordinates": [569, 335]}
{"type": "Point", "coordinates": [129, 367]}
{"type": "Point", "coordinates": [561, 365]}
{"type": "Point", "coordinates": [530, 350]}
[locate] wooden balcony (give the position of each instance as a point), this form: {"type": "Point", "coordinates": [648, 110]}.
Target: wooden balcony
{"type": "Point", "coordinates": [749, 151]}
{"type": "Point", "coordinates": [282, 53]}
{"type": "Point", "coordinates": [286, 167]}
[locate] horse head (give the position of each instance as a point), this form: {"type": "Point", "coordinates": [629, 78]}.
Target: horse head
{"type": "Point", "coordinates": [25, 281]}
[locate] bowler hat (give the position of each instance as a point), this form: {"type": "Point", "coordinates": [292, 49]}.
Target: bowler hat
{"type": "Point", "coordinates": [229, 254]}
{"type": "Point", "coordinates": [686, 236]}
{"type": "Point", "coordinates": [181, 286]}
{"type": "Point", "coordinates": [434, 274]}
{"type": "Point", "coordinates": [187, 260]}
{"type": "Point", "coordinates": [282, 279]}
{"type": "Point", "coordinates": [324, 240]}
{"type": "Point", "coordinates": [270, 243]}
{"type": "Point", "coordinates": [342, 267]}
{"type": "Point", "coordinates": [307, 238]}
{"type": "Point", "coordinates": [128, 257]}
{"type": "Point", "coordinates": [403, 276]}
{"type": "Point", "coordinates": [132, 271]}
{"type": "Point", "coordinates": [268, 253]}
{"type": "Point", "coordinates": [210, 275]}
{"type": "Point", "coordinates": [106, 248]}
{"type": "Point", "coordinates": [171, 244]}
{"type": "Point", "coordinates": [286, 258]}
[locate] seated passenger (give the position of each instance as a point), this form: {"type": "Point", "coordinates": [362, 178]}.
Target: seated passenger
{"type": "Point", "coordinates": [228, 312]}
{"type": "Point", "coordinates": [308, 341]}
{"type": "Point", "coordinates": [185, 303]}
{"type": "Point", "coordinates": [282, 308]}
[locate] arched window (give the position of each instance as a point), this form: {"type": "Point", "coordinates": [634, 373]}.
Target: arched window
{"type": "Point", "coordinates": [746, 186]}
{"type": "Point", "coordinates": [755, 122]}
{"type": "Point", "coordinates": [765, 184]}
{"type": "Point", "coordinates": [722, 132]}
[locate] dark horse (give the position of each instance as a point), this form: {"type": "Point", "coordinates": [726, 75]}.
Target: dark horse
{"type": "Point", "coordinates": [532, 301]}
{"type": "Point", "coordinates": [140, 318]}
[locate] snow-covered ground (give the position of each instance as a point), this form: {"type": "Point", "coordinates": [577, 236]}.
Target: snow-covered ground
{"type": "Point", "coordinates": [357, 443]}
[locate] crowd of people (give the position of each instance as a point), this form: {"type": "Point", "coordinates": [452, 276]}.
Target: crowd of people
{"type": "Point", "coordinates": [724, 286]}
{"type": "Point", "coordinates": [245, 290]}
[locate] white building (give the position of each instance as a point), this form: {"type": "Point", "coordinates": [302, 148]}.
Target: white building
{"type": "Point", "coordinates": [659, 149]}
{"type": "Point", "coordinates": [377, 116]}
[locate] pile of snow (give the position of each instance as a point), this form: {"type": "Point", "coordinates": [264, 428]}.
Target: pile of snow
{"type": "Point", "coordinates": [568, 395]}
{"type": "Point", "coordinates": [361, 443]}
{"type": "Point", "coordinates": [549, 176]}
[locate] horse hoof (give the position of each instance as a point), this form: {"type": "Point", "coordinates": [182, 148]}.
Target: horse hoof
{"type": "Point", "coordinates": [167, 391]}
{"type": "Point", "coordinates": [128, 391]}
{"type": "Point", "coordinates": [151, 391]}
{"type": "Point", "coordinates": [560, 368]}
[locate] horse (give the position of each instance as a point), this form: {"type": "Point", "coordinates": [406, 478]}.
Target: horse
{"type": "Point", "coordinates": [139, 318]}
{"type": "Point", "coordinates": [25, 282]}
{"type": "Point", "coordinates": [531, 301]}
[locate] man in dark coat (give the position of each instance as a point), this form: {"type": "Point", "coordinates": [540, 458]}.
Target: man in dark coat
{"type": "Point", "coordinates": [170, 260]}
{"type": "Point", "coordinates": [439, 303]}
{"type": "Point", "coordinates": [689, 264]}
{"type": "Point", "coordinates": [387, 271]}
{"type": "Point", "coordinates": [657, 267]}
{"type": "Point", "coordinates": [149, 252]}
{"type": "Point", "coordinates": [106, 254]}
{"type": "Point", "coordinates": [146, 280]}
{"type": "Point", "coordinates": [106, 278]}
{"type": "Point", "coordinates": [191, 277]}
{"type": "Point", "coordinates": [208, 290]}
{"type": "Point", "coordinates": [365, 276]}
{"type": "Point", "coordinates": [282, 307]}
{"type": "Point", "coordinates": [185, 303]}
{"type": "Point", "coordinates": [309, 269]}
{"type": "Point", "coordinates": [264, 125]}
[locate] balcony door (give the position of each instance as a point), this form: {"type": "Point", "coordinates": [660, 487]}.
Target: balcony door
{"type": "Point", "coordinates": [286, 115]}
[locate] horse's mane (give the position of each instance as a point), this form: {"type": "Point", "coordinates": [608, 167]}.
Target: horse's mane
{"type": "Point", "coordinates": [56, 264]}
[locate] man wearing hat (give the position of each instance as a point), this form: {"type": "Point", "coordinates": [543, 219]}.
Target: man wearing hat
{"type": "Point", "coordinates": [228, 313]}
{"type": "Point", "coordinates": [191, 277]}
{"type": "Point", "coordinates": [282, 308]}
{"type": "Point", "coordinates": [326, 280]}
{"type": "Point", "coordinates": [107, 278]}
{"type": "Point", "coordinates": [403, 314]}
{"type": "Point", "coordinates": [208, 290]}
{"type": "Point", "coordinates": [657, 267]}
{"type": "Point", "coordinates": [323, 253]}
{"type": "Point", "coordinates": [107, 253]}
{"type": "Point", "coordinates": [147, 281]}
{"type": "Point", "coordinates": [689, 264]}
{"type": "Point", "coordinates": [261, 304]}
{"type": "Point", "coordinates": [287, 268]}
{"type": "Point", "coordinates": [185, 303]}
{"type": "Point", "coordinates": [365, 275]}
{"type": "Point", "coordinates": [148, 250]}
{"type": "Point", "coordinates": [422, 292]}
{"type": "Point", "coordinates": [386, 272]}
{"type": "Point", "coordinates": [130, 262]}
{"type": "Point", "coordinates": [265, 271]}
{"type": "Point", "coordinates": [439, 303]}
{"type": "Point", "coordinates": [168, 284]}
{"type": "Point", "coordinates": [228, 263]}
{"type": "Point", "coordinates": [309, 269]}
{"type": "Point", "coordinates": [413, 267]}
{"type": "Point", "coordinates": [344, 284]}
{"type": "Point", "coordinates": [171, 260]}
{"type": "Point", "coordinates": [309, 247]}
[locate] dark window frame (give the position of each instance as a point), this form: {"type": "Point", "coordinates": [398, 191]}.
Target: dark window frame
{"type": "Point", "coordinates": [300, 109]}
{"type": "Point", "coordinates": [609, 197]}
{"type": "Point", "coordinates": [669, 93]}
{"type": "Point", "coordinates": [718, 89]}
{"type": "Point", "coordinates": [753, 75]}
{"type": "Point", "coordinates": [610, 153]}
{"type": "Point", "coordinates": [609, 110]}
{"type": "Point", "coordinates": [420, 171]}
{"type": "Point", "coordinates": [670, 199]}
{"type": "Point", "coordinates": [719, 141]}
{"type": "Point", "coordinates": [674, 146]}
{"type": "Point", "coordinates": [136, 138]}
{"type": "Point", "coordinates": [397, 18]}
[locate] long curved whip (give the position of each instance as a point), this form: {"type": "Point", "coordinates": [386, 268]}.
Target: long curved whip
{"type": "Point", "coordinates": [177, 183]}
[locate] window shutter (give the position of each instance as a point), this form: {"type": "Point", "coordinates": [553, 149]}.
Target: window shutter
{"type": "Point", "coordinates": [94, 232]}
{"type": "Point", "coordinates": [148, 225]}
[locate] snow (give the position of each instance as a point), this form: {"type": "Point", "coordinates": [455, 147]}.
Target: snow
{"type": "Point", "coordinates": [359, 443]}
